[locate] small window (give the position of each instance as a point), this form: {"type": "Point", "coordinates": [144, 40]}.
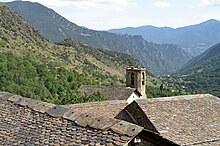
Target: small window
{"type": "Point", "coordinates": [132, 78]}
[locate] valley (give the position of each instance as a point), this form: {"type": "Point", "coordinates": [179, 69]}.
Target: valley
{"type": "Point", "coordinates": [33, 67]}
{"type": "Point", "coordinates": [201, 74]}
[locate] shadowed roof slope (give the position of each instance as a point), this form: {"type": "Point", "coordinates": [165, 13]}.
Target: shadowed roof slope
{"type": "Point", "coordinates": [24, 121]}
{"type": "Point", "coordinates": [112, 93]}
{"type": "Point", "coordinates": [185, 120]}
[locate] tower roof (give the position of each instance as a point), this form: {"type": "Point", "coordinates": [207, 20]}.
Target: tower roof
{"type": "Point", "coordinates": [136, 68]}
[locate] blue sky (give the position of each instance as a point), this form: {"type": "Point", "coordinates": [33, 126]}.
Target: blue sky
{"type": "Point", "coordinates": [108, 14]}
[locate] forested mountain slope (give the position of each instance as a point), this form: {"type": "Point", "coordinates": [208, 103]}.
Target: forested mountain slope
{"type": "Point", "coordinates": [202, 74]}
{"type": "Point", "coordinates": [33, 67]}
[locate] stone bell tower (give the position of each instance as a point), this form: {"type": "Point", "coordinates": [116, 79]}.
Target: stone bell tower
{"type": "Point", "coordinates": [136, 78]}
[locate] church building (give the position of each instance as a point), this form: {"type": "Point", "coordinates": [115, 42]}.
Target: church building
{"type": "Point", "coordinates": [135, 87]}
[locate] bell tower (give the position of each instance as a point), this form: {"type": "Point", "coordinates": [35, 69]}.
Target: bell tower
{"type": "Point", "coordinates": [136, 78]}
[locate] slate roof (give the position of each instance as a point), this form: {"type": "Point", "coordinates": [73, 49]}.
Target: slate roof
{"type": "Point", "coordinates": [181, 120]}
{"type": "Point", "coordinates": [108, 109]}
{"type": "Point", "coordinates": [185, 120]}
{"type": "Point", "coordinates": [24, 121]}
{"type": "Point", "coordinates": [112, 93]}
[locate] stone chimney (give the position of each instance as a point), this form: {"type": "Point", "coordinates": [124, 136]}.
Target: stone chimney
{"type": "Point", "coordinates": [136, 78]}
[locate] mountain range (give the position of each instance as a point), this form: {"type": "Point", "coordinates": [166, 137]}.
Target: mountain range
{"type": "Point", "coordinates": [159, 59]}
{"type": "Point", "coordinates": [194, 39]}
{"type": "Point", "coordinates": [33, 67]}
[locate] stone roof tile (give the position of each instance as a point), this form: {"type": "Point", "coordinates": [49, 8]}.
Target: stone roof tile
{"type": "Point", "coordinates": [182, 119]}
{"type": "Point", "coordinates": [108, 109]}
{"type": "Point", "coordinates": [112, 93]}
{"type": "Point", "coordinates": [24, 121]}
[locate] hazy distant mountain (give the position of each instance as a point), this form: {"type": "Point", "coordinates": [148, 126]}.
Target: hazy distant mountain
{"type": "Point", "coordinates": [209, 54]}
{"type": "Point", "coordinates": [203, 72]}
{"type": "Point", "coordinates": [160, 59]}
{"type": "Point", "coordinates": [195, 38]}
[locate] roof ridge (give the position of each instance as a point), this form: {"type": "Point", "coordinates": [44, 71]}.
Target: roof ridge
{"type": "Point", "coordinates": [83, 120]}
{"type": "Point", "coordinates": [201, 142]}
{"type": "Point", "coordinates": [181, 97]}
{"type": "Point", "coordinates": [94, 103]}
{"type": "Point", "coordinates": [103, 87]}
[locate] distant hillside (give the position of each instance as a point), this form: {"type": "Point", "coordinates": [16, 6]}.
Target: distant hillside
{"type": "Point", "coordinates": [202, 74]}
{"type": "Point", "coordinates": [33, 67]}
{"type": "Point", "coordinates": [195, 38]}
{"type": "Point", "coordinates": [214, 50]}
{"type": "Point", "coordinates": [55, 28]}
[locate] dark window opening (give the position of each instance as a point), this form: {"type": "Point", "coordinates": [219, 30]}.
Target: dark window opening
{"type": "Point", "coordinates": [143, 78]}
{"type": "Point", "coordinates": [132, 78]}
